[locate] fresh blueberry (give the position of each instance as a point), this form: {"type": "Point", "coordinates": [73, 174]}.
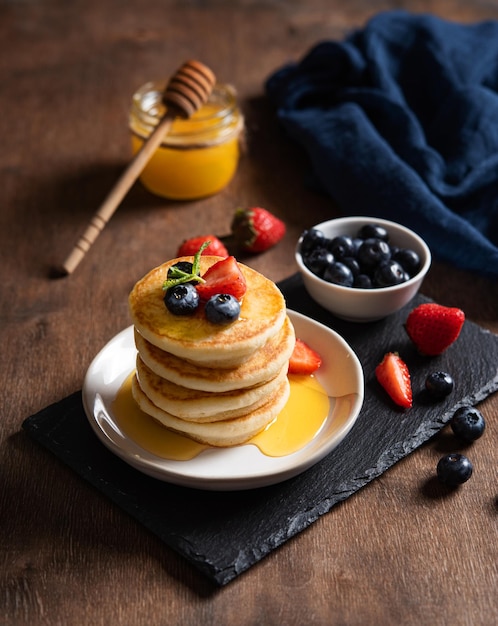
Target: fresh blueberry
{"type": "Point", "coordinates": [183, 266]}
{"type": "Point", "coordinates": [356, 244]}
{"type": "Point", "coordinates": [352, 263]}
{"type": "Point", "coordinates": [468, 423]}
{"type": "Point", "coordinates": [362, 281]}
{"type": "Point", "coordinates": [389, 273]}
{"type": "Point", "coordinates": [318, 260]}
{"type": "Point", "coordinates": [178, 270]}
{"type": "Point", "coordinates": [454, 469]}
{"type": "Point", "coordinates": [372, 252]}
{"type": "Point", "coordinates": [373, 231]}
{"type": "Point", "coordinates": [341, 247]}
{"type": "Point", "coordinates": [439, 385]}
{"type": "Point", "coordinates": [182, 299]}
{"type": "Point", "coordinates": [339, 274]}
{"type": "Point", "coordinates": [223, 308]}
{"type": "Point", "coordinates": [311, 239]}
{"type": "Point", "coordinates": [408, 259]}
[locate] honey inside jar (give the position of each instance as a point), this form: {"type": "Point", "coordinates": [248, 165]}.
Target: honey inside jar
{"type": "Point", "coordinates": [199, 155]}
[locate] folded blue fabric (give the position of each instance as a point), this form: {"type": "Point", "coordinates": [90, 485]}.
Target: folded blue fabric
{"type": "Point", "coordinates": [400, 121]}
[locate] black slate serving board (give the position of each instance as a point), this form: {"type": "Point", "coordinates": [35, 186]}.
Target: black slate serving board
{"type": "Point", "coordinates": [224, 533]}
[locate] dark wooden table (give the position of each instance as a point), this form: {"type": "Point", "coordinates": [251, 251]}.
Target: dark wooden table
{"type": "Point", "coordinates": [387, 555]}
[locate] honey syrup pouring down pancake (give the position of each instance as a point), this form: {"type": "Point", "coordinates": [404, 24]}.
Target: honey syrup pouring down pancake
{"type": "Point", "coordinates": [223, 433]}
{"type": "Point", "coordinates": [222, 382]}
{"type": "Point", "coordinates": [193, 405]}
{"type": "Point", "coordinates": [262, 365]}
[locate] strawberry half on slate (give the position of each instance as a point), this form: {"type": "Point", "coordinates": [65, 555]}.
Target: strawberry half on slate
{"type": "Point", "coordinates": [394, 376]}
{"type": "Point", "coordinates": [433, 327]}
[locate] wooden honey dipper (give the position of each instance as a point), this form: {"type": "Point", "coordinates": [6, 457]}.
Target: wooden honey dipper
{"type": "Point", "coordinates": [188, 89]}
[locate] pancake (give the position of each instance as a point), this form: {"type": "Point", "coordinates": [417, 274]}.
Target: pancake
{"type": "Point", "coordinates": [265, 364]}
{"type": "Point", "coordinates": [224, 433]}
{"type": "Point", "coordinates": [203, 406]}
{"type": "Point", "coordinates": [194, 338]}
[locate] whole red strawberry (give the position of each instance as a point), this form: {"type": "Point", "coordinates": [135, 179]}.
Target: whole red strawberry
{"type": "Point", "coordinates": [190, 246]}
{"type": "Point", "coordinates": [256, 230]}
{"type": "Point", "coordinates": [433, 327]}
{"type": "Point", "coordinates": [392, 373]}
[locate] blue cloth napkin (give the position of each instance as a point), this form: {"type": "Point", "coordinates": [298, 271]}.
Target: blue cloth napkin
{"type": "Point", "coordinates": [400, 121]}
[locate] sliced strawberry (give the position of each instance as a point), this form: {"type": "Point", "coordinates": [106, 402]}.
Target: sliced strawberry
{"type": "Point", "coordinates": [392, 373]}
{"type": "Point", "coordinates": [433, 327]}
{"type": "Point", "coordinates": [190, 246]}
{"type": "Point", "coordinates": [304, 360]}
{"type": "Point", "coordinates": [256, 230]}
{"type": "Point", "coordinates": [223, 277]}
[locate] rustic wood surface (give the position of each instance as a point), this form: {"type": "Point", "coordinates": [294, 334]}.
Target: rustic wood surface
{"type": "Point", "coordinates": [391, 554]}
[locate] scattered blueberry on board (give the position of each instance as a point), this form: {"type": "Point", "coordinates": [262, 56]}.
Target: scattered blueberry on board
{"type": "Point", "coordinates": [468, 423]}
{"type": "Point", "coordinates": [454, 469]}
{"type": "Point", "coordinates": [439, 385]}
{"type": "Point", "coordinates": [365, 260]}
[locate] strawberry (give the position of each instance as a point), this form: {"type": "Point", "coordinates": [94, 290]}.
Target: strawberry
{"type": "Point", "coordinates": [392, 373]}
{"type": "Point", "coordinates": [433, 327]}
{"type": "Point", "coordinates": [256, 229]}
{"type": "Point", "coordinates": [190, 246]}
{"type": "Point", "coordinates": [304, 360]}
{"type": "Point", "coordinates": [223, 277]}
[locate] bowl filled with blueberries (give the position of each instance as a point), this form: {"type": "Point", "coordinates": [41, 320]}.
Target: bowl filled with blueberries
{"type": "Point", "coordinates": [362, 269]}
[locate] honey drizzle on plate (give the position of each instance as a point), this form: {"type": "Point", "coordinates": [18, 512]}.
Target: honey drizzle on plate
{"type": "Point", "coordinates": [297, 424]}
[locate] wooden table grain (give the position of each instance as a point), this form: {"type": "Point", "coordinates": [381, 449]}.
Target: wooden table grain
{"type": "Point", "coordinates": [388, 555]}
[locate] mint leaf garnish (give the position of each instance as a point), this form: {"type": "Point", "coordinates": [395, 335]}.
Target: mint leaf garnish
{"type": "Point", "coordinates": [178, 276]}
{"type": "Point", "coordinates": [196, 267]}
{"type": "Point", "coordinates": [175, 272]}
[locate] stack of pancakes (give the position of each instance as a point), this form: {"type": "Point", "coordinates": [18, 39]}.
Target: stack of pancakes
{"type": "Point", "coordinates": [217, 384]}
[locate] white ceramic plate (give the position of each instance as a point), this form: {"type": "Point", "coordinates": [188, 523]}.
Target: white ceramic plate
{"type": "Point", "coordinates": [240, 467]}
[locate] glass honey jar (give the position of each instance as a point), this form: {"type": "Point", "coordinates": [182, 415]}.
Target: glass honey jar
{"type": "Point", "coordinates": [199, 155]}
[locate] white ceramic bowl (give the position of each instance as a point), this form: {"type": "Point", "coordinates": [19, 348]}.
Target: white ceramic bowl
{"type": "Point", "coordinates": [365, 305]}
